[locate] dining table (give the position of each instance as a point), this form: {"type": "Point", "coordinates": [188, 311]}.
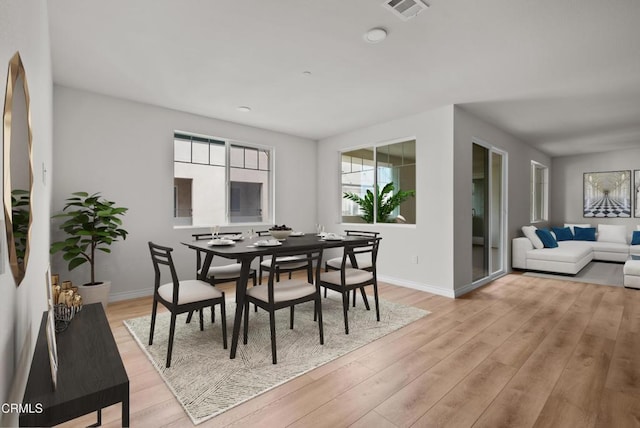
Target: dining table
{"type": "Point", "coordinates": [246, 250]}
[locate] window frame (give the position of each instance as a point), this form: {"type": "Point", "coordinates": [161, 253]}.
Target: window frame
{"type": "Point", "coordinates": [374, 147]}
{"type": "Point", "coordinates": [228, 144]}
{"type": "Point", "coordinates": [536, 169]}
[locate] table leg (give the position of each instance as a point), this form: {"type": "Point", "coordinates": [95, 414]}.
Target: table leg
{"type": "Point", "coordinates": [241, 290]}
{"type": "Point", "coordinates": [205, 266]}
{"type": "Point", "coordinates": [125, 411]}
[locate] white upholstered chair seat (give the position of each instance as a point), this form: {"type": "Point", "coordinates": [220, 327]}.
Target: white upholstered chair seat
{"type": "Point", "coordinates": [352, 276]}
{"type": "Point", "coordinates": [192, 290]}
{"type": "Point", "coordinates": [223, 272]}
{"type": "Point", "coordinates": [285, 290]}
{"type": "Point", "coordinates": [364, 262]}
{"type": "Point", "coordinates": [286, 263]}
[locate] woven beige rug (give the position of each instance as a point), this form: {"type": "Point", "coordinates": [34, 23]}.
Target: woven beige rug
{"type": "Point", "coordinates": [602, 273]}
{"type": "Point", "coordinates": [206, 382]}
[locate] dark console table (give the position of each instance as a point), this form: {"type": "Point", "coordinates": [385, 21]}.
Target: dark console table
{"type": "Point", "coordinates": [91, 375]}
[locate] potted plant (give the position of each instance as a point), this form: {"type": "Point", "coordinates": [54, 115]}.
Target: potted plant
{"type": "Point", "coordinates": [386, 201]}
{"type": "Point", "coordinates": [92, 224]}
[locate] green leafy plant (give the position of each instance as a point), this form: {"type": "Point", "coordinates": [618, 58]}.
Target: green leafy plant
{"type": "Point", "coordinates": [92, 223]}
{"type": "Point", "coordinates": [385, 200]}
{"type": "Point", "coordinates": [20, 219]}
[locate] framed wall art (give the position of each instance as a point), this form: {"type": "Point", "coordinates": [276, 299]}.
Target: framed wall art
{"type": "Point", "coordinates": [636, 193]}
{"type": "Point", "coordinates": [607, 194]}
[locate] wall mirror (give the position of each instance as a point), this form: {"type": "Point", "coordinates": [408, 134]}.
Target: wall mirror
{"type": "Point", "coordinates": [18, 168]}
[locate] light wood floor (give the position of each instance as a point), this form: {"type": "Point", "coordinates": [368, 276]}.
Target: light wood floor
{"type": "Point", "coordinates": [518, 352]}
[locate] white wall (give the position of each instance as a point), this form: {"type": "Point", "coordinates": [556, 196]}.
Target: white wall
{"type": "Point", "coordinates": [566, 184]}
{"type": "Point", "coordinates": [124, 150]}
{"type": "Point", "coordinates": [431, 239]}
{"type": "Point", "coordinates": [520, 155]}
{"type": "Point", "coordinates": [24, 28]}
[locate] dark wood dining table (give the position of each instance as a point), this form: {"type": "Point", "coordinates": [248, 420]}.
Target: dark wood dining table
{"type": "Point", "coordinates": [245, 252]}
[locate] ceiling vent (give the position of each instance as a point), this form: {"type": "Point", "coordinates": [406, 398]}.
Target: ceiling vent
{"type": "Point", "coordinates": [405, 9]}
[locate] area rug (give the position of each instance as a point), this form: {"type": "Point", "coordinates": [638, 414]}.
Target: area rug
{"type": "Point", "coordinates": [206, 382]}
{"type": "Point", "coordinates": [602, 273]}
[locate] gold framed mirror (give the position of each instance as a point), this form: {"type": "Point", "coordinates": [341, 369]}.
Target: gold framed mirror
{"type": "Point", "coordinates": [18, 167]}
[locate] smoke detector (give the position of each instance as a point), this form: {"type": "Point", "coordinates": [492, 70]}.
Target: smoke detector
{"type": "Point", "coordinates": [405, 9]}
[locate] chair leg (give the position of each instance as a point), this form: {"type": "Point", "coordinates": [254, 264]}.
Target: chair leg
{"type": "Point", "coordinates": [364, 298]}
{"type": "Point", "coordinates": [345, 308]}
{"type": "Point", "coordinates": [291, 318]}
{"type": "Point", "coordinates": [153, 320]}
{"type": "Point", "coordinates": [172, 331]}
{"type": "Point", "coordinates": [375, 296]}
{"type": "Point", "coordinates": [246, 322]}
{"type": "Point", "coordinates": [201, 319]}
{"type": "Point", "coordinates": [272, 324]}
{"type": "Point", "coordinates": [255, 307]}
{"type": "Point", "coordinates": [213, 314]}
{"type": "Point", "coordinates": [354, 297]}
{"type": "Point", "coordinates": [189, 317]}
{"type": "Point", "coordinates": [318, 312]}
{"type": "Point", "coordinates": [223, 315]}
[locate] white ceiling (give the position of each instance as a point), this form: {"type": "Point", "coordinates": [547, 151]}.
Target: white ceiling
{"type": "Point", "coordinates": [563, 75]}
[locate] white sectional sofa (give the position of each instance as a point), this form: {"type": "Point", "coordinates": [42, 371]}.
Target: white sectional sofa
{"type": "Point", "coordinates": [612, 244]}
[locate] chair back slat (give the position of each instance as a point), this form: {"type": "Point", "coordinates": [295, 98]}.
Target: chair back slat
{"type": "Point", "coordinates": [362, 233]}
{"type": "Point", "coordinates": [308, 256]}
{"type": "Point", "coordinates": [161, 258]}
{"type": "Point", "coordinates": [351, 249]}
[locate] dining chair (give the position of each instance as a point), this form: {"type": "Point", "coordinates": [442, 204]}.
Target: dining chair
{"type": "Point", "coordinates": [181, 296]}
{"type": "Point", "coordinates": [287, 293]}
{"type": "Point", "coordinates": [363, 262]}
{"type": "Point", "coordinates": [285, 264]}
{"type": "Point", "coordinates": [219, 274]}
{"type": "Point", "coordinates": [351, 278]}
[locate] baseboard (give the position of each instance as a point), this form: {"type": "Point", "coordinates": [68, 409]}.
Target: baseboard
{"type": "Point", "coordinates": [417, 286]}
{"type": "Point", "coordinates": [127, 295]}
{"type": "Point", "coordinates": [470, 287]}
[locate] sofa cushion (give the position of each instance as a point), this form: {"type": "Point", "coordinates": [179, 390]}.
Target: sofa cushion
{"type": "Point", "coordinates": [610, 247]}
{"type": "Point", "coordinates": [547, 239]}
{"type": "Point", "coordinates": [567, 251]}
{"type": "Point", "coordinates": [584, 233]}
{"type": "Point", "coordinates": [612, 233]}
{"type": "Point", "coordinates": [572, 226]}
{"type": "Point", "coordinates": [530, 232]}
{"type": "Point", "coordinates": [563, 233]}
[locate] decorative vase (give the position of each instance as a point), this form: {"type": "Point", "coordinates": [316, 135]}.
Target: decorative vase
{"type": "Point", "coordinates": [98, 293]}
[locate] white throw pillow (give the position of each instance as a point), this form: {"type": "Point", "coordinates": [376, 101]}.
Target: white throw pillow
{"type": "Point", "coordinates": [612, 233]}
{"type": "Point", "coordinates": [530, 232]}
{"type": "Point", "coordinates": [571, 225]}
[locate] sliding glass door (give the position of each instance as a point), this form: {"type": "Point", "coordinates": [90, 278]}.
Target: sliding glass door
{"type": "Point", "coordinates": [488, 211]}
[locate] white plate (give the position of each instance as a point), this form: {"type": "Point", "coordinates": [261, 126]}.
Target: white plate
{"type": "Point", "coordinates": [297, 234]}
{"type": "Point", "coordinates": [238, 237]}
{"type": "Point", "coordinates": [333, 238]}
{"type": "Point", "coordinates": [220, 242]}
{"type": "Point", "coordinates": [270, 243]}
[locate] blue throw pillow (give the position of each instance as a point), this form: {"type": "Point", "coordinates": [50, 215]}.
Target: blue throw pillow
{"type": "Point", "coordinates": [547, 238]}
{"type": "Point", "coordinates": [585, 233]}
{"type": "Point", "coordinates": [563, 233]}
{"type": "Point", "coordinates": [635, 238]}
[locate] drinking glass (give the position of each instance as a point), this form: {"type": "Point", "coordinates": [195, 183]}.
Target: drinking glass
{"type": "Point", "coordinates": [215, 230]}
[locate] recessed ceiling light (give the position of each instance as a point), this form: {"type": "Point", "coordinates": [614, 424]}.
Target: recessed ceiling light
{"type": "Point", "coordinates": [244, 109]}
{"type": "Point", "coordinates": [306, 73]}
{"type": "Point", "coordinates": [375, 35]}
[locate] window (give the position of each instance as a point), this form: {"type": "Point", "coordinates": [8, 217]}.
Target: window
{"type": "Point", "coordinates": [389, 168]}
{"type": "Point", "coordinates": [218, 181]}
{"type": "Point", "coordinates": [539, 192]}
